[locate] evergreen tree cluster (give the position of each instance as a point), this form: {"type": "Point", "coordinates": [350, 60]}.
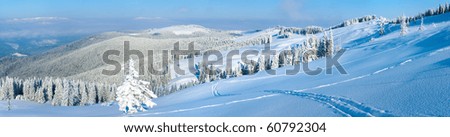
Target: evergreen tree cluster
{"type": "Point", "coordinates": [57, 91]}
{"type": "Point", "coordinates": [311, 49]}
{"type": "Point", "coordinates": [355, 21]}
{"type": "Point", "coordinates": [285, 32]}
{"type": "Point", "coordinates": [443, 8]}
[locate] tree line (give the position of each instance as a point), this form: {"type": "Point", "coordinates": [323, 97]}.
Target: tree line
{"type": "Point", "coordinates": [57, 91]}
{"type": "Point", "coordinates": [443, 8]}
{"type": "Point", "coordinates": [311, 49]}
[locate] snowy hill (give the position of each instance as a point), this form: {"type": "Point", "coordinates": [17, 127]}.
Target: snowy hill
{"type": "Point", "coordinates": [59, 62]}
{"type": "Point", "coordinates": [182, 30]}
{"type": "Point", "coordinates": [387, 75]}
{"type": "Point", "coordinates": [392, 75]}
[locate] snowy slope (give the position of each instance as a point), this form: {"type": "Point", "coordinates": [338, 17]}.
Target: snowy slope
{"type": "Point", "coordinates": [388, 75]}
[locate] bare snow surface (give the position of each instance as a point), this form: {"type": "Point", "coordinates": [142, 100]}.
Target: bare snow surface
{"type": "Point", "coordinates": [389, 75]}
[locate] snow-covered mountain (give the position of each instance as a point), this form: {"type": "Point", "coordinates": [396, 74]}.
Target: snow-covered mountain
{"type": "Point", "coordinates": [388, 74]}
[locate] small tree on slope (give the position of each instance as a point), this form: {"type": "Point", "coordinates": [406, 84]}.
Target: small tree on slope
{"type": "Point", "coordinates": [403, 26]}
{"type": "Point", "coordinates": [421, 28]}
{"type": "Point", "coordinates": [133, 95]}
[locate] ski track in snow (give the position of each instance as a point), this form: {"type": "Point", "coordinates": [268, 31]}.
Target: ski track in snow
{"type": "Point", "coordinates": [216, 92]}
{"type": "Point", "coordinates": [343, 106]}
{"type": "Point", "coordinates": [214, 89]}
{"type": "Point", "coordinates": [207, 106]}
{"type": "Point", "coordinates": [355, 78]}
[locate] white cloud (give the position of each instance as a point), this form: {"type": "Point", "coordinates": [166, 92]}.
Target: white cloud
{"type": "Point", "coordinates": [45, 42]}
{"type": "Point", "coordinates": [40, 20]}
{"type": "Point", "coordinates": [13, 45]}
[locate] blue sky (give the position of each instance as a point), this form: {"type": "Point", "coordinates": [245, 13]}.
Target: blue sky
{"type": "Point", "coordinates": [218, 9]}
{"type": "Point", "coordinates": [83, 16]}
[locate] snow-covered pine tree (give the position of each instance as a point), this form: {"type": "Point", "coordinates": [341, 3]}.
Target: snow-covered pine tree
{"type": "Point", "coordinates": [261, 63]}
{"type": "Point", "coordinates": [28, 89]}
{"type": "Point", "coordinates": [447, 7]}
{"type": "Point", "coordinates": [48, 84]}
{"type": "Point", "coordinates": [403, 26]}
{"type": "Point", "coordinates": [5, 86]}
{"type": "Point", "coordinates": [313, 44]}
{"type": "Point", "coordinates": [40, 95]}
{"type": "Point", "coordinates": [57, 98]}
{"type": "Point", "coordinates": [441, 9]}
{"type": "Point", "coordinates": [112, 93]}
{"type": "Point", "coordinates": [269, 39]}
{"type": "Point", "coordinates": [212, 72]}
{"type": "Point", "coordinates": [133, 95]}
{"type": "Point", "coordinates": [321, 51]}
{"type": "Point", "coordinates": [238, 70]}
{"type": "Point", "coordinates": [281, 59]}
{"type": "Point", "coordinates": [381, 23]}
{"type": "Point", "coordinates": [100, 92]}
{"type": "Point", "coordinates": [92, 94]}
{"type": "Point", "coordinates": [421, 27]}
{"type": "Point", "coordinates": [296, 55]}
{"type": "Point", "coordinates": [275, 61]}
{"type": "Point", "coordinates": [83, 94]}
{"type": "Point", "coordinates": [330, 44]}
{"type": "Point", "coordinates": [74, 93]}
{"type": "Point", "coordinates": [2, 89]}
{"type": "Point", "coordinates": [8, 88]}
{"type": "Point", "coordinates": [65, 92]}
{"type": "Point", "coordinates": [223, 75]}
{"type": "Point", "coordinates": [107, 92]}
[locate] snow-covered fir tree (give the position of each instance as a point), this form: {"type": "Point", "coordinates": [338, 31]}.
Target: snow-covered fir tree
{"type": "Point", "coordinates": [92, 95]}
{"type": "Point", "coordinates": [40, 95]}
{"type": "Point", "coordinates": [83, 93]}
{"type": "Point", "coordinates": [421, 27]}
{"type": "Point", "coordinates": [381, 24]}
{"type": "Point", "coordinates": [321, 49]}
{"type": "Point", "coordinates": [74, 93]}
{"type": "Point", "coordinates": [57, 97]}
{"type": "Point", "coordinates": [67, 88]}
{"type": "Point", "coordinates": [275, 61]}
{"type": "Point", "coordinates": [48, 87]}
{"type": "Point", "coordinates": [133, 95]}
{"type": "Point", "coordinates": [330, 44]}
{"type": "Point", "coordinates": [403, 26]}
{"type": "Point", "coordinates": [112, 94]}
{"type": "Point", "coordinates": [261, 65]}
